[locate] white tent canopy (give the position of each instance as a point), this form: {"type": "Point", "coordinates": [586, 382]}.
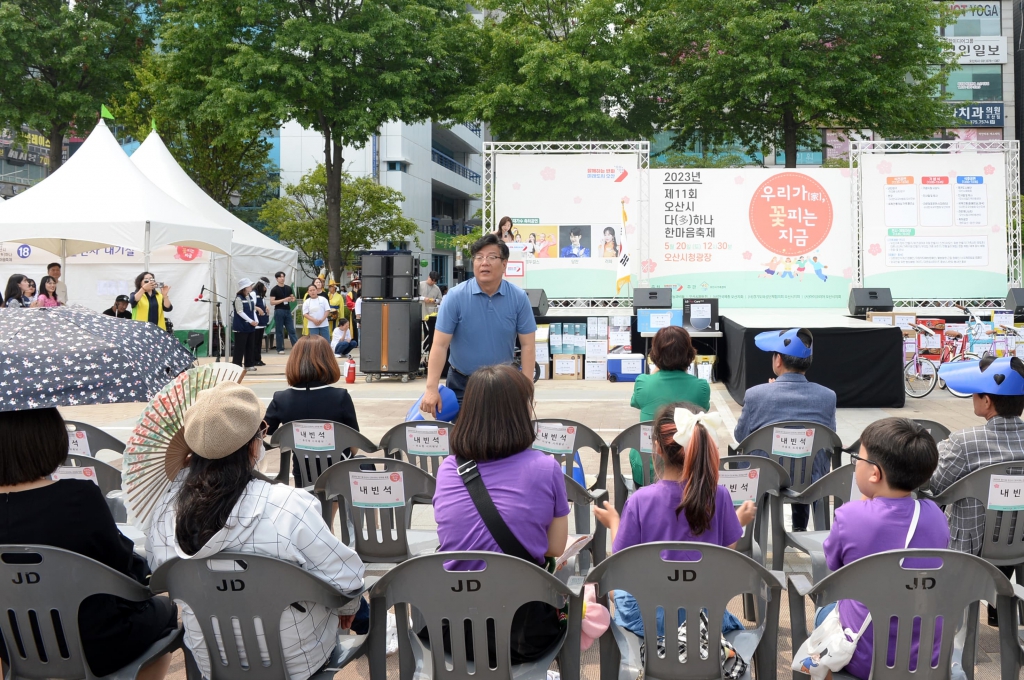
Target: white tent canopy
{"type": "Point", "coordinates": [100, 198]}
{"type": "Point", "coordinates": [252, 253]}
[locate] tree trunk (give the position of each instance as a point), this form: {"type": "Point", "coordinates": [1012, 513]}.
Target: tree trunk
{"type": "Point", "coordinates": [333, 161]}
{"type": "Point", "coordinates": [789, 137]}
{"type": "Point", "coordinates": [56, 139]}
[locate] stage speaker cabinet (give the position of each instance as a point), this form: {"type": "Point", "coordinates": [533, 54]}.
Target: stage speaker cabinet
{"type": "Point", "coordinates": [390, 337]}
{"type": "Point", "coordinates": [373, 286]}
{"type": "Point", "coordinates": [402, 287]}
{"type": "Point", "coordinates": [1015, 303]}
{"type": "Point", "coordinates": [538, 300]}
{"type": "Point", "coordinates": [403, 265]}
{"type": "Point", "coordinates": [652, 298]}
{"type": "Point", "coordinates": [373, 265]}
{"type": "Point", "coordinates": [864, 300]}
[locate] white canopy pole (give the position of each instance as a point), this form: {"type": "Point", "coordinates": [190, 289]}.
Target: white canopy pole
{"type": "Point", "coordinates": [146, 252]}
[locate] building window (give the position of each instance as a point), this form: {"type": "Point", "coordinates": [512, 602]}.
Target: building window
{"type": "Point", "coordinates": [439, 264]}
{"type": "Point", "coordinates": [398, 166]}
{"type": "Point", "coordinates": [976, 83]}
{"type": "Point", "coordinates": [979, 19]}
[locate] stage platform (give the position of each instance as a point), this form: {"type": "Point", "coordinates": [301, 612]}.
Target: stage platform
{"type": "Point", "coordinates": [861, 362]}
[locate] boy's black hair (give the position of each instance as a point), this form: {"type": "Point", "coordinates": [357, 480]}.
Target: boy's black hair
{"type": "Point", "coordinates": [575, 231]}
{"type": "Point", "coordinates": [903, 449]}
{"type": "Point", "coordinates": [491, 239]}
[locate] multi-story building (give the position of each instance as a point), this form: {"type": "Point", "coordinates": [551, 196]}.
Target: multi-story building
{"type": "Point", "coordinates": [437, 168]}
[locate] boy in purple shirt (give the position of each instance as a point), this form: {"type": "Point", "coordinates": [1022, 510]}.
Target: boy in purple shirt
{"type": "Point", "coordinates": [896, 457]}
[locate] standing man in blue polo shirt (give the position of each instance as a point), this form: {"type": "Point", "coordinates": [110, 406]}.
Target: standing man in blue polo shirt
{"type": "Point", "coordinates": [480, 320]}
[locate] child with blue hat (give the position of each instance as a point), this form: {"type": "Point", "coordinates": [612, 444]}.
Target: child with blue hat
{"type": "Point", "coordinates": [789, 396]}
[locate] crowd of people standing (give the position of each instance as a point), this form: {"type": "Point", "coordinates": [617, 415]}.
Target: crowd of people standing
{"type": "Point", "coordinates": [21, 291]}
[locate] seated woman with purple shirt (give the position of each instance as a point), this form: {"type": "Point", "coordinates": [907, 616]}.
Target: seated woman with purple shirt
{"type": "Point", "coordinates": [495, 429]}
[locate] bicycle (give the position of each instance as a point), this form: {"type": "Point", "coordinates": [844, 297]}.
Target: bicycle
{"type": "Point", "coordinates": [920, 374]}
{"type": "Point", "coordinates": [960, 346]}
{"type": "Point", "coordinates": [517, 361]}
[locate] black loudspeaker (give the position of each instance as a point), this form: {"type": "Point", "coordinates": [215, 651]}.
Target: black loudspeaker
{"type": "Point", "coordinates": [402, 265]}
{"type": "Point", "coordinates": [1015, 303]}
{"type": "Point", "coordinates": [373, 286]}
{"type": "Point", "coordinates": [538, 300]}
{"type": "Point", "coordinates": [373, 265]}
{"type": "Point", "coordinates": [652, 298]}
{"type": "Point", "coordinates": [402, 287]}
{"type": "Point", "coordinates": [390, 337]}
{"type": "Point", "coordinates": [864, 300]}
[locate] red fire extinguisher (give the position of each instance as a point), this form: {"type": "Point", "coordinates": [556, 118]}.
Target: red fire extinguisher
{"type": "Point", "coordinates": [350, 371]}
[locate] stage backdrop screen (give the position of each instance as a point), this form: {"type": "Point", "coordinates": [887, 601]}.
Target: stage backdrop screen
{"type": "Point", "coordinates": [934, 225]}
{"type": "Point", "coordinates": [574, 221]}
{"type": "Point", "coordinates": [752, 237]}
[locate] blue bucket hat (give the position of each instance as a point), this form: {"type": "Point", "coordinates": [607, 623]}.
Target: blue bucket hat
{"type": "Point", "coordinates": [784, 342]}
{"type": "Point", "coordinates": [1004, 376]}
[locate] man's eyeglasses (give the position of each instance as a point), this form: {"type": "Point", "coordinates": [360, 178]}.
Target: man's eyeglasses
{"type": "Point", "coordinates": [490, 259]}
{"type": "Point", "coordinates": [854, 456]}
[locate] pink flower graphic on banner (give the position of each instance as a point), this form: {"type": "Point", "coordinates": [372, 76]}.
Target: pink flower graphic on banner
{"type": "Point", "coordinates": [884, 168]}
{"type": "Point", "coordinates": [848, 272]}
{"type": "Point", "coordinates": [577, 200]}
{"type": "Point", "coordinates": [996, 228]}
{"type": "Point", "coordinates": [515, 186]}
{"type": "Point", "coordinates": [738, 179]}
{"type": "Point", "coordinates": [630, 229]}
{"type": "Point", "coordinates": [547, 174]}
{"type": "Point", "coordinates": [990, 170]}
{"type": "Point", "coordinates": [875, 249]}
{"type": "Point", "coordinates": [747, 255]}
{"type": "Point", "coordinates": [625, 199]}
{"type": "Point", "coordinates": [845, 172]}
{"type": "Point", "coordinates": [648, 266]}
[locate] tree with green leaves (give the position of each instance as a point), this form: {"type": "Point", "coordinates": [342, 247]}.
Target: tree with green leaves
{"type": "Point", "coordinates": [370, 213]}
{"type": "Point", "coordinates": [564, 70]}
{"type": "Point", "coordinates": [773, 72]}
{"type": "Point", "coordinates": [62, 61]}
{"type": "Point", "coordinates": [338, 67]}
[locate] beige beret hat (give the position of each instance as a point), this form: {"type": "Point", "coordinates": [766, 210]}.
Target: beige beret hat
{"type": "Point", "coordinates": [222, 420]}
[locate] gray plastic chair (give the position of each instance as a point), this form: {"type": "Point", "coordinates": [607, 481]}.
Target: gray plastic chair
{"type": "Point", "coordinates": [585, 439]}
{"type": "Point", "coordinates": [709, 583]}
{"type": "Point", "coordinates": [623, 482]}
{"type": "Point", "coordinates": [799, 469]}
{"type": "Point", "coordinates": [394, 445]}
{"type": "Point", "coordinates": [582, 501]}
{"type": "Point", "coordinates": [42, 589]}
{"type": "Point", "coordinates": [260, 588]}
{"type": "Point", "coordinates": [485, 600]}
{"type": "Point", "coordinates": [889, 590]}
{"type": "Point", "coordinates": [938, 431]}
{"type": "Point", "coordinates": [312, 464]}
{"type": "Point", "coordinates": [109, 478]}
{"type": "Point", "coordinates": [98, 439]}
{"type": "Point", "coordinates": [772, 479]}
{"type": "Point", "coordinates": [381, 534]}
{"type": "Point", "coordinates": [837, 484]}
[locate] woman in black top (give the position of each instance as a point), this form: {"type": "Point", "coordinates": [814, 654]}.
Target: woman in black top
{"type": "Point", "coordinates": [72, 514]}
{"type": "Point", "coordinates": [312, 371]}
{"type": "Point", "coordinates": [16, 294]}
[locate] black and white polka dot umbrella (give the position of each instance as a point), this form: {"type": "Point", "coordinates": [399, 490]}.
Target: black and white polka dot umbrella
{"type": "Point", "coordinates": [70, 356]}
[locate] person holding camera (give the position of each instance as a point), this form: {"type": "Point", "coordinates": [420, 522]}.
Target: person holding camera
{"type": "Point", "coordinates": [151, 300]}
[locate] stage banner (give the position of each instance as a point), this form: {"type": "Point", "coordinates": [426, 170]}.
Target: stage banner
{"type": "Point", "coordinates": [574, 221]}
{"type": "Point", "coordinates": [752, 237]}
{"type": "Point", "coordinates": [934, 225]}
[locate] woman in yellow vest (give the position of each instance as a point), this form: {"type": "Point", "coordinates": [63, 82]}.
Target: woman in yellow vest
{"type": "Point", "coordinates": [149, 304]}
{"type": "Point", "coordinates": [337, 302]}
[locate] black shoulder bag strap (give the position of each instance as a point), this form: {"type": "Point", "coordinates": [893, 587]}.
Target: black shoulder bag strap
{"type": "Point", "coordinates": [502, 535]}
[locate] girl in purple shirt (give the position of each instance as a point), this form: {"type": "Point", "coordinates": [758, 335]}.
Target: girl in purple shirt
{"type": "Point", "coordinates": [685, 504]}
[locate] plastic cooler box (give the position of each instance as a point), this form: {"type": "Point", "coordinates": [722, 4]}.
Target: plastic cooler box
{"type": "Point", "coordinates": [615, 367]}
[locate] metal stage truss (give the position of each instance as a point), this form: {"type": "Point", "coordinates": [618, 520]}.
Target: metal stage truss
{"type": "Point", "coordinates": [859, 153]}
{"type": "Point", "coordinates": [642, 150]}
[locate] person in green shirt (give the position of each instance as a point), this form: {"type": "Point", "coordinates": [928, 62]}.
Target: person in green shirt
{"type": "Point", "coordinates": [672, 352]}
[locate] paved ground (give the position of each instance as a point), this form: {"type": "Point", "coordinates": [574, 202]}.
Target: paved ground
{"type": "Point", "coordinates": [602, 406]}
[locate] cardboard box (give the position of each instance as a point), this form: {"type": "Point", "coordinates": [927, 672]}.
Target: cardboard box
{"type": "Point", "coordinates": [555, 338]}
{"type": "Point", "coordinates": [703, 367]}
{"type": "Point", "coordinates": [591, 328]}
{"type": "Point", "coordinates": [580, 345]}
{"type": "Point", "coordinates": [542, 354]}
{"type": "Point", "coordinates": [567, 367]}
{"type": "Point", "coordinates": [909, 344]}
{"type": "Point", "coordinates": [700, 314]}
{"type": "Point", "coordinates": [602, 327]}
{"type": "Point", "coordinates": [884, 318]}
{"type": "Point", "coordinates": [904, 320]}
{"type": "Point", "coordinates": [545, 370]}
{"type": "Point", "coordinates": [931, 345]}
{"type": "Point", "coordinates": [595, 369]}
{"type": "Point", "coordinates": [619, 335]}
{"type": "Point", "coordinates": [597, 349]}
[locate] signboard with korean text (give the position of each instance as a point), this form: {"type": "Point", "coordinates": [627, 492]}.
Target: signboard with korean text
{"type": "Point", "coordinates": [792, 443]}
{"type": "Point", "coordinates": [555, 438]}
{"type": "Point", "coordinates": [1006, 493]}
{"type": "Point", "coordinates": [423, 440]}
{"type": "Point", "coordinates": [980, 50]}
{"type": "Point", "coordinates": [752, 237]}
{"type": "Point", "coordinates": [78, 444]}
{"type": "Point", "coordinates": [377, 489]}
{"type": "Point", "coordinates": [313, 436]}
{"type": "Point", "coordinates": [646, 442]}
{"type": "Point", "coordinates": [934, 226]}
{"type": "Point", "coordinates": [979, 115]}
{"type": "Point", "coordinates": [69, 472]}
{"type": "Point", "coordinates": [742, 484]}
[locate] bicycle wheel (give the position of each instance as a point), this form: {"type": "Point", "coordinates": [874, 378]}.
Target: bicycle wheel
{"type": "Point", "coordinates": [966, 356]}
{"type": "Point", "coordinates": [919, 377]}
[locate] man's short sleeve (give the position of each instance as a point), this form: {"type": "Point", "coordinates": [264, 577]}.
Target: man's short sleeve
{"type": "Point", "coordinates": [525, 323]}
{"type": "Point", "coordinates": [448, 313]}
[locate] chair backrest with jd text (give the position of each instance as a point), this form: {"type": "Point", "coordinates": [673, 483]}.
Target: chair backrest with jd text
{"type": "Point", "coordinates": [1003, 540]}
{"type": "Point", "coordinates": [917, 599]}
{"type": "Point", "coordinates": [798, 467]}
{"type": "Point", "coordinates": [42, 589]}
{"type": "Point", "coordinates": [585, 438]}
{"type": "Point", "coordinates": [395, 443]}
{"type": "Point", "coordinates": [391, 544]}
{"type": "Point", "coordinates": [313, 462]}
{"type": "Point", "coordinates": [708, 583]}
{"type": "Point", "coordinates": [97, 439]}
{"type": "Point", "coordinates": [239, 588]}
{"type": "Point", "coordinates": [482, 601]}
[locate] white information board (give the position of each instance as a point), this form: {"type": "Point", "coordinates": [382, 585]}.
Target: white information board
{"type": "Point", "coordinates": [555, 438]}
{"type": "Point", "coordinates": [742, 484]}
{"type": "Point", "coordinates": [377, 489]}
{"type": "Point", "coordinates": [1006, 493]}
{"type": "Point", "coordinates": [792, 443]}
{"type": "Point", "coordinates": [78, 444]}
{"type": "Point", "coordinates": [70, 472]}
{"type": "Point", "coordinates": [313, 436]}
{"type": "Point", "coordinates": [425, 440]}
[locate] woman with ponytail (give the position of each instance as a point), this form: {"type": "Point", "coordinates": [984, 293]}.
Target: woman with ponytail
{"type": "Point", "coordinates": [685, 504]}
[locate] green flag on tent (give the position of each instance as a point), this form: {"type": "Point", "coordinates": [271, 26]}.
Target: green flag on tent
{"type": "Point", "coordinates": [105, 112]}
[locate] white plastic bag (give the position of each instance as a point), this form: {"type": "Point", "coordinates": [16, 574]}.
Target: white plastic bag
{"type": "Point", "coordinates": [392, 636]}
{"type": "Point", "coordinates": [829, 647]}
